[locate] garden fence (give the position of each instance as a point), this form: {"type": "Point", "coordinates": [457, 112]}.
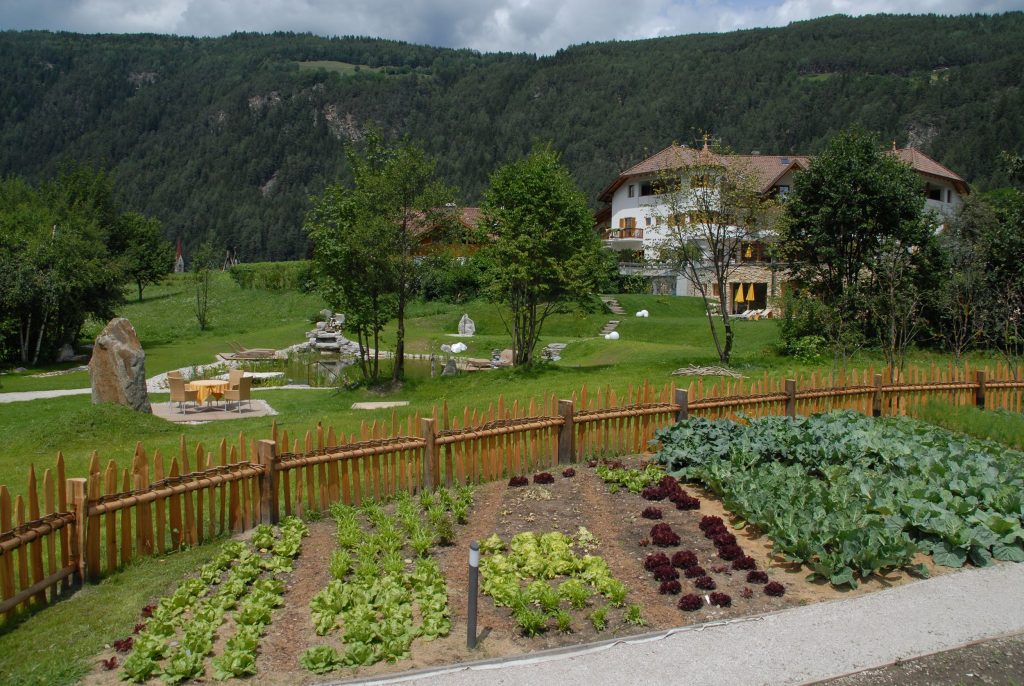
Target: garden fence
{"type": "Point", "coordinates": [88, 527]}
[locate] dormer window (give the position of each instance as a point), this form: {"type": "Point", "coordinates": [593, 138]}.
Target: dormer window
{"type": "Point", "coordinates": [631, 191]}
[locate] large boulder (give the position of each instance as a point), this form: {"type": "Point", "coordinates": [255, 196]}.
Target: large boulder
{"type": "Point", "coordinates": [118, 367]}
{"type": "Point", "coordinates": [467, 327]}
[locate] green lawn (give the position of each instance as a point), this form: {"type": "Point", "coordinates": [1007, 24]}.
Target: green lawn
{"type": "Point", "coordinates": [676, 334]}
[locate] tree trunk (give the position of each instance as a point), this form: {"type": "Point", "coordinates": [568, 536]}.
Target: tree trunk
{"type": "Point", "coordinates": [139, 282]}
{"type": "Point", "coordinates": [399, 367]}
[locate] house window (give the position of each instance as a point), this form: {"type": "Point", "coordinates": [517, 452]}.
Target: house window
{"type": "Point", "coordinates": [647, 221]}
{"type": "Point", "coordinates": [934, 194]}
{"type": "Point", "coordinates": [782, 191]}
{"type": "Point", "coordinates": [646, 188]}
{"type": "Point", "coordinates": [949, 195]}
{"type": "Point", "coordinates": [627, 222]}
{"type": "Point", "coordinates": [631, 191]}
{"type": "Point", "coordinates": [715, 291]}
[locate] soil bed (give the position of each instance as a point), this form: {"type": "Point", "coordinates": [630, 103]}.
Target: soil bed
{"type": "Point", "coordinates": [566, 505]}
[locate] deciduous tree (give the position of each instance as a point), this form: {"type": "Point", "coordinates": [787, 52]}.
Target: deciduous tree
{"type": "Point", "coordinates": [544, 256]}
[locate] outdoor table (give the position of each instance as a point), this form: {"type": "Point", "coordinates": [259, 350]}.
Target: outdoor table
{"type": "Point", "coordinates": [208, 388]}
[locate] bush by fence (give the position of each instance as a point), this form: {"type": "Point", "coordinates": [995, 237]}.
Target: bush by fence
{"type": "Point", "coordinates": [87, 527]}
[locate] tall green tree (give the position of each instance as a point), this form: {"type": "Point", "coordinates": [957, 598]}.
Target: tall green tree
{"type": "Point", "coordinates": [366, 236]}
{"type": "Point", "coordinates": [544, 256]}
{"type": "Point", "coordinates": [398, 185]}
{"type": "Point", "coordinates": [147, 256]}
{"type": "Point", "coordinates": [845, 211]}
{"type": "Point", "coordinates": [55, 268]}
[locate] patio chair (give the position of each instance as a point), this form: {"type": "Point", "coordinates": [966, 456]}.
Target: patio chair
{"type": "Point", "coordinates": [234, 377]}
{"type": "Point", "coordinates": [181, 395]}
{"type": "Point", "coordinates": [241, 393]}
{"type": "Point", "coordinates": [241, 352]}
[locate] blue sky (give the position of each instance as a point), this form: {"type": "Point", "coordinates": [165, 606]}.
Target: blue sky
{"type": "Point", "coordinates": [536, 26]}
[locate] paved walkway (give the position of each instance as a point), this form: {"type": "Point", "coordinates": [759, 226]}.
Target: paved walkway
{"type": "Point", "coordinates": [796, 646]}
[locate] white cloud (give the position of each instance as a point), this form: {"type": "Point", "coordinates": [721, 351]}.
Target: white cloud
{"type": "Point", "coordinates": [539, 26]}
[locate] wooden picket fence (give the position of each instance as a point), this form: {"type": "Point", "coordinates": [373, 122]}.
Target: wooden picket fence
{"type": "Point", "coordinates": [86, 528]}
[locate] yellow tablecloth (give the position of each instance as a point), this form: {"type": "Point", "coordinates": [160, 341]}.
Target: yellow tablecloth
{"type": "Point", "coordinates": [208, 387]}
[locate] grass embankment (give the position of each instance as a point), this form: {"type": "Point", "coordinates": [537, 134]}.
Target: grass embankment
{"type": "Point", "coordinates": [54, 647]}
{"type": "Point", "coordinates": [997, 425]}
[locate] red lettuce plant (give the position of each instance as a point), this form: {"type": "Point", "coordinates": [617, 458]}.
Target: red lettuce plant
{"type": "Point", "coordinates": [775, 589]}
{"type": "Point", "coordinates": [543, 478]}
{"type": "Point", "coordinates": [591, 463]}
{"type": "Point", "coordinates": [109, 663]}
{"type": "Point", "coordinates": [745, 562]}
{"type": "Point", "coordinates": [709, 520]}
{"type": "Point", "coordinates": [666, 573]}
{"type": "Point", "coordinates": [653, 493]}
{"type": "Point", "coordinates": [644, 542]}
{"type": "Point", "coordinates": [705, 583]}
{"type": "Point", "coordinates": [651, 513]}
{"type": "Point", "coordinates": [684, 559]}
{"type": "Point", "coordinates": [668, 481]}
{"type": "Point", "coordinates": [139, 627]}
{"type": "Point", "coordinates": [123, 645]}
{"type": "Point", "coordinates": [148, 611]}
{"type": "Point", "coordinates": [694, 571]}
{"type": "Point", "coordinates": [569, 473]}
{"type": "Point", "coordinates": [720, 599]}
{"type": "Point", "coordinates": [691, 602]}
{"type": "Point", "coordinates": [746, 592]}
{"type": "Point", "coordinates": [715, 530]}
{"type": "Point", "coordinates": [655, 560]}
{"type": "Point", "coordinates": [670, 587]}
{"type": "Point", "coordinates": [730, 552]}
{"type": "Point", "coordinates": [723, 539]}
{"type": "Point", "coordinates": [755, 577]}
{"type": "Point", "coordinates": [662, 534]}
{"type": "Point", "coordinates": [517, 481]}
{"type": "Point", "coordinates": [687, 502]}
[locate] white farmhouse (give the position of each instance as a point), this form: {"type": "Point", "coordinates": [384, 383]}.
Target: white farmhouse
{"type": "Point", "coordinates": [632, 219]}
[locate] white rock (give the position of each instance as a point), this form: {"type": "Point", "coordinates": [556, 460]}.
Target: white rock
{"type": "Point", "coordinates": [613, 336]}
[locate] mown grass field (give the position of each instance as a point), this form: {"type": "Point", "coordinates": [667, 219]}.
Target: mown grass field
{"type": "Point", "coordinates": [675, 335]}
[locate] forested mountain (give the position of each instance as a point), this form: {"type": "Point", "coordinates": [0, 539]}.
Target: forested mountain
{"type": "Point", "coordinates": [231, 135]}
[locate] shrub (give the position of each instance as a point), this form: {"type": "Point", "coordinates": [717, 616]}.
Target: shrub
{"type": "Point", "coordinates": [662, 534]}
{"type": "Point", "coordinates": [720, 599]}
{"type": "Point", "coordinates": [705, 583]}
{"type": "Point", "coordinates": [543, 478]}
{"type": "Point", "coordinates": [655, 560]}
{"type": "Point", "coordinates": [670, 587]}
{"type": "Point", "coordinates": [517, 481]}
{"type": "Point", "coordinates": [665, 573]}
{"type": "Point", "coordinates": [684, 559]}
{"type": "Point", "coordinates": [694, 571]}
{"type": "Point", "coordinates": [755, 577]}
{"type": "Point", "coordinates": [691, 602]}
{"type": "Point", "coordinates": [651, 513]}
{"type": "Point", "coordinates": [775, 589]}
{"type": "Point", "coordinates": [274, 276]}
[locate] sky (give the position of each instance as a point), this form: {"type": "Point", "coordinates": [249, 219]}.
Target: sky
{"type": "Point", "coordinates": [533, 26]}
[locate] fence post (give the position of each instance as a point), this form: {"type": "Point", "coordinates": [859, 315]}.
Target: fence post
{"type": "Point", "coordinates": [876, 400]}
{"type": "Point", "coordinates": [979, 394]}
{"type": "Point", "coordinates": [566, 433]}
{"type": "Point", "coordinates": [683, 401]}
{"type": "Point", "coordinates": [266, 452]}
{"type": "Point", "coordinates": [91, 550]}
{"type": "Point", "coordinates": [791, 398]}
{"type": "Point", "coordinates": [76, 537]}
{"type": "Point", "coordinates": [431, 459]}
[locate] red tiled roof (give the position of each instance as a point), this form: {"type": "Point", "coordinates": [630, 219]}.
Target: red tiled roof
{"type": "Point", "coordinates": [767, 168]}
{"type": "Point", "coordinates": [923, 164]}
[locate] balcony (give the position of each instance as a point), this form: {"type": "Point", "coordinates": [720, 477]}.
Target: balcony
{"type": "Point", "coordinates": [623, 239]}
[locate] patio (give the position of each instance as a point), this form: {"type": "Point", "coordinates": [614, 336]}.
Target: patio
{"type": "Point", "coordinates": [212, 413]}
